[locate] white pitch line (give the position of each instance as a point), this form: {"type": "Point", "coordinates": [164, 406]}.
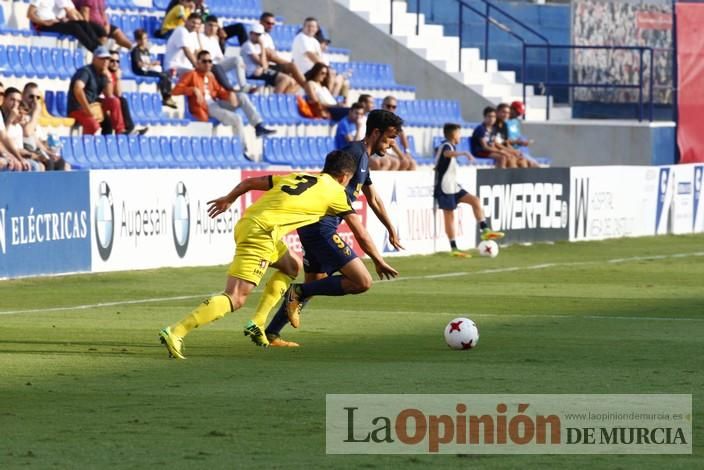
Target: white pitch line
{"type": "Point", "coordinates": [527, 315]}
{"type": "Point", "coordinates": [407, 278]}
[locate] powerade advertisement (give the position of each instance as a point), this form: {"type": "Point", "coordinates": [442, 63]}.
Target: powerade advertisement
{"type": "Point", "coordinates": [44, 223]}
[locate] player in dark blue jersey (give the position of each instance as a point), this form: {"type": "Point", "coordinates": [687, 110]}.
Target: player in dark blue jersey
{"type": "Point", "coordinates": [325, 251]}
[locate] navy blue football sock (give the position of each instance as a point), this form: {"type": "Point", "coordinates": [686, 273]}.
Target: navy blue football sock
{"type": "Point", "coordinates": [453, 244]}
{"type": "Point", "coordinates": [330, 286]}
{"type": "Point", "coordinates": [278, 322]}
{"type": "Point", "coordinates": [483, 224]}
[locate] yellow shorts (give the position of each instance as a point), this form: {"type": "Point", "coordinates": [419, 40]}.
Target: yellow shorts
{"type": "Point", "coordinates": [255, 250]}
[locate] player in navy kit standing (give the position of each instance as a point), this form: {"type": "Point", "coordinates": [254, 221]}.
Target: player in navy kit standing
{"type": "Point", "coordinates": [325, 252]}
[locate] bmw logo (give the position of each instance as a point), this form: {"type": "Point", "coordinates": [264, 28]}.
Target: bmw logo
{"type": "Point", "coordinates": [104, 221]}
{"type": "Point", "coordinates": [181, 219]}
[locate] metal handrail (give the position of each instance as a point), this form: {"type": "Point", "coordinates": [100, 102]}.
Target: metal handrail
{"type": "Point", "coordinates": [547, 84]}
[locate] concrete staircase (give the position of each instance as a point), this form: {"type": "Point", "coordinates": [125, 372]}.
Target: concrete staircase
{"type": "Point", "coordinates": [441, 51]}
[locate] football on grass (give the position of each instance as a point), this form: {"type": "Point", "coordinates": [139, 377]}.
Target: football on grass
{"type": "Point", "coordinates": [488, 248]}
{"type": "Point", "coordinates": [461, 333]}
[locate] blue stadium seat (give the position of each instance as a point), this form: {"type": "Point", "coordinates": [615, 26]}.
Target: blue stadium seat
{"type": "Point", "coordinates": [101, 152]}
{"type": "Point", "coordinates": [89, 151]}
{"type": "Point", "coordinates": [65, 61]}
{"type": "Point", "coordinates": [123, 149]}
{"type": "Point", "coordinates": [75, 148]}
{"type": "Point", "coordinates": [183, 157]}
{"type": "Point", "coordinates": [212, 151]}
{"type": "Point", "coordinates": [141, 159]}
{"type": "Point", "coordinates": [156, 152]}
{"type": "Point", "coordinates": [78, 59]}
{"type": "Point", "coordinates": [196, 152]}
{"type": "Point", "coordinates": [169, 148]}
{"type": "Point", "coordinates": [160, 4]}
{"type": "Point", "coordinates": [62, 103]}
{"type": "Point", "coordinates": [113, 153]}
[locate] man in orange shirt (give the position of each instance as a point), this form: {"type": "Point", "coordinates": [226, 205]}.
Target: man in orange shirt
{"type": "Point", "coordinates": [207, 98]}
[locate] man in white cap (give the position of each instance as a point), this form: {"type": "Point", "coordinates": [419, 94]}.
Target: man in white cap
{"type": "Point", "coordinates": [257, 64]}
{"type": "Point", "coordinates": [86, 86]}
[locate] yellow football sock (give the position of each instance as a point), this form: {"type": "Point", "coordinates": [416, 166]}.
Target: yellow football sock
{"type": "Point", "coordinates": [208, 311]}
{"type": "Point", "coordinates": [273, 291]}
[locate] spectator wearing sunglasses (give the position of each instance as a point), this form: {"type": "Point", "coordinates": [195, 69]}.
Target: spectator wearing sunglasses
{"type": "Point", "coordinates": [35, 136]}
{"type": "Point", "coordinates": [116, 78]}
{"type": "Point", "coordinates": [400, 149]}
{"type": "Point", "coordinates": [207, 98]}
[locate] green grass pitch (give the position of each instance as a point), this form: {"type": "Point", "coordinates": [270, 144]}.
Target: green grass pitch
{"type": "Point", "coordinates": [92, 387]}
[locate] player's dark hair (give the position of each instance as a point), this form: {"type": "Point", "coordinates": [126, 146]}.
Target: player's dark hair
{"type": "Point", "coordinates": [202, 53]}
{"type": "Point", "coordinates": [502, 106]}
{"type": "Point", "coordinates": [339, 163]}
{"type": "Point", "coordinates": [356, 106]}
{"type": "Point", "coordinates": [211, 18]}
{"type": "Point", "coordinates": [382, 120]}
{"type": "Point", "coordinates": [195, 16]}
{"type": "Point", "coordinates": [310, 18]}
{"type": "Point", "coordinates": [488, 110]}
{"type": "Point", "coordinates": [265, 15]}
{"type": "Point", "coordinates": [363, 97]}
{"type": "Point", "coordinates": [449, 128]}
{"type": "Point", "coordinates": [139, 33]}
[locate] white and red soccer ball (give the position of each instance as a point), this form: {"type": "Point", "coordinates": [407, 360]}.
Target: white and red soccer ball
{"type": "Point", "coordinates": [488, 248]}
{"type": "Point", "coordinates": [462, 333]}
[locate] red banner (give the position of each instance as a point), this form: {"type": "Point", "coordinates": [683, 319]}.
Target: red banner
{"type": "Point", "coordinates": [690, 66]}
{"type": "Point", "coordinates": [292, 240]}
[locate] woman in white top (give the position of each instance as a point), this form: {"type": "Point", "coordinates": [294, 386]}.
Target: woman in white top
{"type": "Point", "coordinates": [305, 49]}
{"type": "Point", "coordinates": [317, 77]}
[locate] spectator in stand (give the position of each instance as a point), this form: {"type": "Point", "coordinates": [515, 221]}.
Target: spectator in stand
{"type": "Point", "coordinates": [182, 46]}
{"type": "Point", "coordinates": [176, 17]}
{"type": "Point", "coordinates": [94, 12]}
{"type": "Point", "coordinates": [210, 41]}
{"type": "Point", "coordinates": [502, 140]}
{"type": "Point", "coordinates": [305, 50]}
{"type": "Point", "coordinates": [350, 129]}
{"type": "Point", "coordinates": [402, 152]}
{"type": "Point", "coordinates": [10, 160]}
{"type": "Point", "coordinates": [115, 74]}
{"type": "Point", "coordinates": [199, 7]}
{"type": "Point", "coordinates": [327, 106]}
{"type": "Point", "coordinates": [13, 118]}
{"type": "Point", "coordinates": [338, 84]}
{"type": "Point", "coordinates": [143, 64]}
{"type": "Point", "coordinates": [515, 133]}
{"type": "Point", "coordinates": [84, 91]}
{"type": "Point", "coordinates": [257, 64]}
{"type": "Point", "coordinates": [59, 16]}
{"type": "Point", "coordinates": [482, 142]}
{"type": "Point", "coordinates": [276, 61]}
{"type": "Point", "coordinates": [207, 98]}
{"type": "Point", "coordinates": [35, 138]}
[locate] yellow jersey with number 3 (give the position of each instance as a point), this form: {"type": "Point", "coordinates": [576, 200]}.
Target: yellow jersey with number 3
{"type": "Point", "coordinates": [298, 199]}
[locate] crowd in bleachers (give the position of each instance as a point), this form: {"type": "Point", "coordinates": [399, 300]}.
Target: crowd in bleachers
{"type": "Point", "coordinates": [263, 86]}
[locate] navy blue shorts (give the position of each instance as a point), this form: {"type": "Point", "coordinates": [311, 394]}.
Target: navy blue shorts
{"type": "Point", "coordinates": [324, 250]}
{"type": "Point", "coordinates": [449, 202]}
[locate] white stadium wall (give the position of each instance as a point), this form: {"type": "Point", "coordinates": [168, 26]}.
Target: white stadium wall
{"type": "Point", "coordinates": [141, 219]}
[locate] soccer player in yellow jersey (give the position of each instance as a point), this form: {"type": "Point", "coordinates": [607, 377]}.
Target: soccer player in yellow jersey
{"type": "Point", "coordinates": [290, 201]}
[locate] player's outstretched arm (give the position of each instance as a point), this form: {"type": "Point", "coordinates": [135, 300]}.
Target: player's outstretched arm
{"type": "Point", "coordinates": [379, 210]}
{"type": "Point", "coordinates": [221, 204]}
{"type": "Point", "coordinates": [383, 269]}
